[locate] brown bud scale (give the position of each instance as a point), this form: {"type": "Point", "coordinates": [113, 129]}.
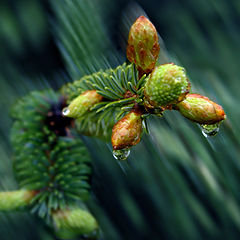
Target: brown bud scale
{"type": "Point", "coordinates": [127, 131]}
{"type": "Point", "coordinates": [143, 47]}
{"type": "Point", "coordinates": [201, 109]}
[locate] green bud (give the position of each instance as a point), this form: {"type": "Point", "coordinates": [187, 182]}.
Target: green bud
{"type": "Point", "coordinates": [81, 104]}
{"type": "Point", "coordinates": [143, 47]}
{"type": "Point", "coordinates": [76, 220]}
{"type": "Point", "coordinates": [14, 200]}
{"type": "Point", "coordinates": [200, 109]}
{"type": "Point", "coordinates": [127, 131]}
{"type": "Point", "coordinates": [167, 85]}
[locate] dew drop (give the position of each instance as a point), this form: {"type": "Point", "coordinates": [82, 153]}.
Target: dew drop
{"type": "Point", "coordinates": [121, 154]}
{"type": "Point", "coordinates": [210, 130]}
{"type": "Point", "coordinates": [65, 111]}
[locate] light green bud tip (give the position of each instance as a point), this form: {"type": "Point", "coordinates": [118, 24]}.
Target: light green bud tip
{"type": "Point", "coordinates": [81, 104]}
{"type": "Point", "coordinates": [167, 85]}
{"type": "Point", "coordinates": [77, 221]}
{"type": "Point", "coordinates": [15, 200]}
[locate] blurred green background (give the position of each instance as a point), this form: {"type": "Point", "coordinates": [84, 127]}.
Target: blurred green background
{"type": "Point", "coordinates": [177, 184]}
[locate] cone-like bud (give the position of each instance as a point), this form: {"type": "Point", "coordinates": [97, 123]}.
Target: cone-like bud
{"type": "Point", "coordinates": [167, 85]}
{"type": "Point", "coordinates": [15, 200]}
{"type": "Point", "coordinates": [200, 109]}
{"type": "Point", "coordinates": [143, 47]}
{"type": "Point", "coordinates": [74, 220]}
{"type": "Point", "coordinates": [127, 131]}
{"type": "Point", "coordinates": [81, 104]}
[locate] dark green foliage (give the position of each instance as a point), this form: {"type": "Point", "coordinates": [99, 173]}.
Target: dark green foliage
{"type": "Point", "coordinates": [52, 162]}
{"type": "Point", "coordinates": [112, 84]}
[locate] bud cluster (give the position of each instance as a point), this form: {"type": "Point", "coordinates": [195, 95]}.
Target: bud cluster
{"type": "Point", "coordinates": [157, 88]}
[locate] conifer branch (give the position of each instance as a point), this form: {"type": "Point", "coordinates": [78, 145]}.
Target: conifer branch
{"type": "Point", "coordinates": [47, 158]}
{"type": "Point", "coordinates": [50, 161]}
{"type": "Point", "coordinates": [119, 88]}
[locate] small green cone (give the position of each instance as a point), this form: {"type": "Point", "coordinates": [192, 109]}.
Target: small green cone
{"type": "Point", "coordinates": [167, 85]}
{"type": "Point", "coordinates": [81, 104]}
{"type": "Point", "coordinates": [201, 109]}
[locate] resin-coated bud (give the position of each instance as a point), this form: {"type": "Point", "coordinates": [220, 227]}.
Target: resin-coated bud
{"type": "Point", "coordinates": [81, 104]}
{"type": "Point", "coordinates": [200, 109]}
{"type": "Point", "coordinates": [167, 85]}
{"type": "Point", "coordinates": [127, 131]}
{"type": "Point", "coordinates": [143, 47]}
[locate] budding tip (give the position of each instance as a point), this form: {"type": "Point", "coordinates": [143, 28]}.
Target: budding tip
{"type": "Point", "coordinates": [143, 47]}
{"type": "Point", "coordinates": [127, 131]}
{"type": "Point", "coordinates": [142, 17]}
{"type": "Point", "coordinates": [201, 109]}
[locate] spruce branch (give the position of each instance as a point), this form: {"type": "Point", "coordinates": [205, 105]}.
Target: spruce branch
{"type": "Point", "coordinates": [140, 88]}
{"type": "Point", "coordinates": [119, 87]}
{"type": "Point", "coordinates": [49, 161]}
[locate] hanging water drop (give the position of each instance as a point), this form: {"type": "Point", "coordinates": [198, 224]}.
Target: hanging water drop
{"type": "Point", "coordinates": [121, 154]}
{"type": "Point", "coordinates": [210, 130]}
{"type": "Point", "coordinates": [65, 111]}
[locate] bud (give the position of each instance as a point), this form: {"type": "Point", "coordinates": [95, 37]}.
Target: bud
{"type": "Point", "coordinates": [15, 200]}
{"type": "Point", "coordinates": [127, 131]}
{"type": "Point", "coordinates": [81, 104]}
{"type": "Point", "coordinates": [78, 221]}
{"type": "Point", "coordinates": [200, 109]}
{"type": "Point", "coordinates": [167, 85]}
{"type": "Point", "coordinates": [143, 47]}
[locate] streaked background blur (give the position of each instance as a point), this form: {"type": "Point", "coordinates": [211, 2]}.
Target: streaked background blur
{"type": "Point", "coordinates": [177, 184]}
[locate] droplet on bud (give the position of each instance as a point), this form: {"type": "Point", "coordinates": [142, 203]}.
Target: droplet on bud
{"type": "Point", "coordinates": [121, 154]}
{"type": "Point", "coordinates": [65, 111]}
{"type": "Point", "coordinates": [82, 104]}
{"type": "Point", "coordinates": [210, 130]}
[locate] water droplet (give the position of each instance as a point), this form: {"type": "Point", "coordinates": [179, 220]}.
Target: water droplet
{"type": "Point", "coordinates": [121, 154]}
{"type": "Point", "coordinates": [210, 130]}
{"type": "Point", "coordinates": [65, 111]}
